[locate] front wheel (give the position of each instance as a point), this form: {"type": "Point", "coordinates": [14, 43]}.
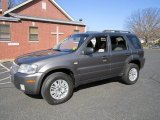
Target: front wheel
{"type": "Point", "coordinates": [57, 88]}
{"type": "Point", "coordinates": [131, 74]}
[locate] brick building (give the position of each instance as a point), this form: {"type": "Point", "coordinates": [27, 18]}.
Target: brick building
{"type": "Point", "coordinates": [34, 25]}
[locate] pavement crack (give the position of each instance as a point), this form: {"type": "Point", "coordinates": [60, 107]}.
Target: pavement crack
{"type": "Point", "coordinates": [155, 80]}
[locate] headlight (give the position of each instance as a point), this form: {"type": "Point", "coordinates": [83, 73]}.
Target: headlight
{"type": "Point", "coordinates": [28, 69]}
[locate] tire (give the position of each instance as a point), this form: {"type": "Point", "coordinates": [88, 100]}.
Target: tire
{"type": "Point", "coordinates": [57, 88]}
{"type": "Point", "coordinates": [131, 74]}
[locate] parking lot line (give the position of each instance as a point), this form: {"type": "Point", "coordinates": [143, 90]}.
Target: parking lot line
{"type": "Point", "coordinates": [4, 79]}
{"type": "Point", "coordinates": [4, 72]}
{"type": "Point", "coordinates": [4, 66]}
{"type": "Point", "coordinates": [5, 83]}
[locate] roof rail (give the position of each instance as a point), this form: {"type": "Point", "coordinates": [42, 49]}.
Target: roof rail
{"type": "Point", "coordinates": [92, 32]}
{"type": "Point", "coordinates": [116, 31]}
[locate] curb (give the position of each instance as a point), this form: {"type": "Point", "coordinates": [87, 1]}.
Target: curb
{"type": "Point", "coordinates": [6, 60]}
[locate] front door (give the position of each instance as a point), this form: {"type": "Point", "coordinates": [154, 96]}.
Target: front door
{"type": "Point", "coordinates": [97, 65]}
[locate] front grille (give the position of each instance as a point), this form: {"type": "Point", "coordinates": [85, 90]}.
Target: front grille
{"type": "Point", "coordinates": [14, 68]}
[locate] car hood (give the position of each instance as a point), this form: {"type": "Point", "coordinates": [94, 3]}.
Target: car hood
{"type": "Point", "coordinates": [39, 55]}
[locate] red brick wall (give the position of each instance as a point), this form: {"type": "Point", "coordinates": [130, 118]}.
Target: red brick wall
{"type": "Point", "coordinates": [4, 4]}
{"type": "Point", "coordinates": [35, 9]}
{"type": "Point", "coordinates": [20, 34]}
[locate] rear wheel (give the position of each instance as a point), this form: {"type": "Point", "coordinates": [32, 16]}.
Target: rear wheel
{"type": "Point", "coordinates": [57, 88]}
{"type": "Point", "coordinates": [131, 74]}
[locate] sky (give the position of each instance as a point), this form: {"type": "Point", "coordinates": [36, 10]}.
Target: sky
{"type": "Point", "coordinates": [99, 15]}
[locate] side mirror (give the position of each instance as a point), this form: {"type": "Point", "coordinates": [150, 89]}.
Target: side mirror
{"type": "Point", "coordinates": [88, 51]}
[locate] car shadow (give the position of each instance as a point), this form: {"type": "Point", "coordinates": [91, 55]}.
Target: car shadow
{"type": "Point", "coordinates": [98, 83]}
{"type": "Point", "coordinates": [35, 96]}
{"type": "Point", "coordinates": [85, 86]}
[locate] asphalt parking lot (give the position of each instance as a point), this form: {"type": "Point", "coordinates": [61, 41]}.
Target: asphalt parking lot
{"type": "Point", "coordinates": [105, 100]}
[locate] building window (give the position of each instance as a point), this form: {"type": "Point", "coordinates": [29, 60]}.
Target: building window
{"type": "Point", "coordinates": [76, 31]}
{"type": "Point", "coordinates": [5, 33]}
{"type": "Point", "coordinates": [44, 6]}
{"type": "Point", "coordinates": [33, 33]}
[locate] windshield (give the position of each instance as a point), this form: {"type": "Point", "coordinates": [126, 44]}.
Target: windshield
{"type": "Point", "coordinates": [72, 43]}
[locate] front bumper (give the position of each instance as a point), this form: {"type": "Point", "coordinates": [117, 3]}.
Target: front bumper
{"type": "Point", "coordinates": [20, 79]}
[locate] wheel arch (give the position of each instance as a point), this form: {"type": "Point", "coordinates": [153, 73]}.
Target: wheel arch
{"type": "Point", "coordinates": [136, 61]}
{"type": "Point", "coordinates": [63, 70]}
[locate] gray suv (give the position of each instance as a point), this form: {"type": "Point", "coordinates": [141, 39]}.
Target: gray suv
{"type": "Point", "coordinates": [80, 59]}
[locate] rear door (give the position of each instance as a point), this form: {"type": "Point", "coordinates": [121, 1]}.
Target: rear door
{"type": "Point", "coordinates": [119, 54]}
{"type": "Point", "coordinates": [97, 65]}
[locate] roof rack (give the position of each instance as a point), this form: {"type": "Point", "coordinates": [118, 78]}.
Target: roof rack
{"type": "Point", "coordinates": [116, 31]}
{"type": "Point", "coordinates": [92, 32]}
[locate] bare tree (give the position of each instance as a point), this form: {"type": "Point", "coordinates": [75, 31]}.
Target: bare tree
{"type": "Point", "coordinates": [19, 1]}
{"type": "Point", "coordinates": [12, 3]}
{"type": "Point", "coordinates": [145, 23]}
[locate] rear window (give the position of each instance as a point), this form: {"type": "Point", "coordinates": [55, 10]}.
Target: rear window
{"type": "Point", "coordinates": [134, 41]}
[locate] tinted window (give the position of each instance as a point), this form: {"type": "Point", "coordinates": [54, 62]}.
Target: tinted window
{"type": "Point", "coordinates": [134, 41]}
{"type": "Point", "coordinates": [118, 43]}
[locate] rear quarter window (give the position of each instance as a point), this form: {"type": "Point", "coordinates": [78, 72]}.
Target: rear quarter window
{"type": "Point", "coordinates": [134, 41]}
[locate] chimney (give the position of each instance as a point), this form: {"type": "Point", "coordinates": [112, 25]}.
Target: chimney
{"type": "Point", "coordinates": [4, 5]}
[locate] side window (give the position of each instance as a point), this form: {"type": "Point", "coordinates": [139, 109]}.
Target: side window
{"type": "Point", "coordinates": [99, 44]}
{"type": "Point", "coordinates": [134, 41]}
{"type": "Point", "coordinates": [118, 43]}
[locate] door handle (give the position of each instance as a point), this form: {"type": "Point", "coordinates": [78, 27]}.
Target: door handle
{"type": "Point", "coordinates": [127, 54]}
{"type": "Point", "coordinates": [104, 57]}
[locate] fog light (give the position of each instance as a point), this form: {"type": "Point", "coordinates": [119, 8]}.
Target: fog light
{"type": "Point", "coordinates": [22, 87]}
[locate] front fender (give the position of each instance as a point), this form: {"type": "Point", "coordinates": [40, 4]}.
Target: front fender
{"type": "Point", "coordinates": [54, 66]}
